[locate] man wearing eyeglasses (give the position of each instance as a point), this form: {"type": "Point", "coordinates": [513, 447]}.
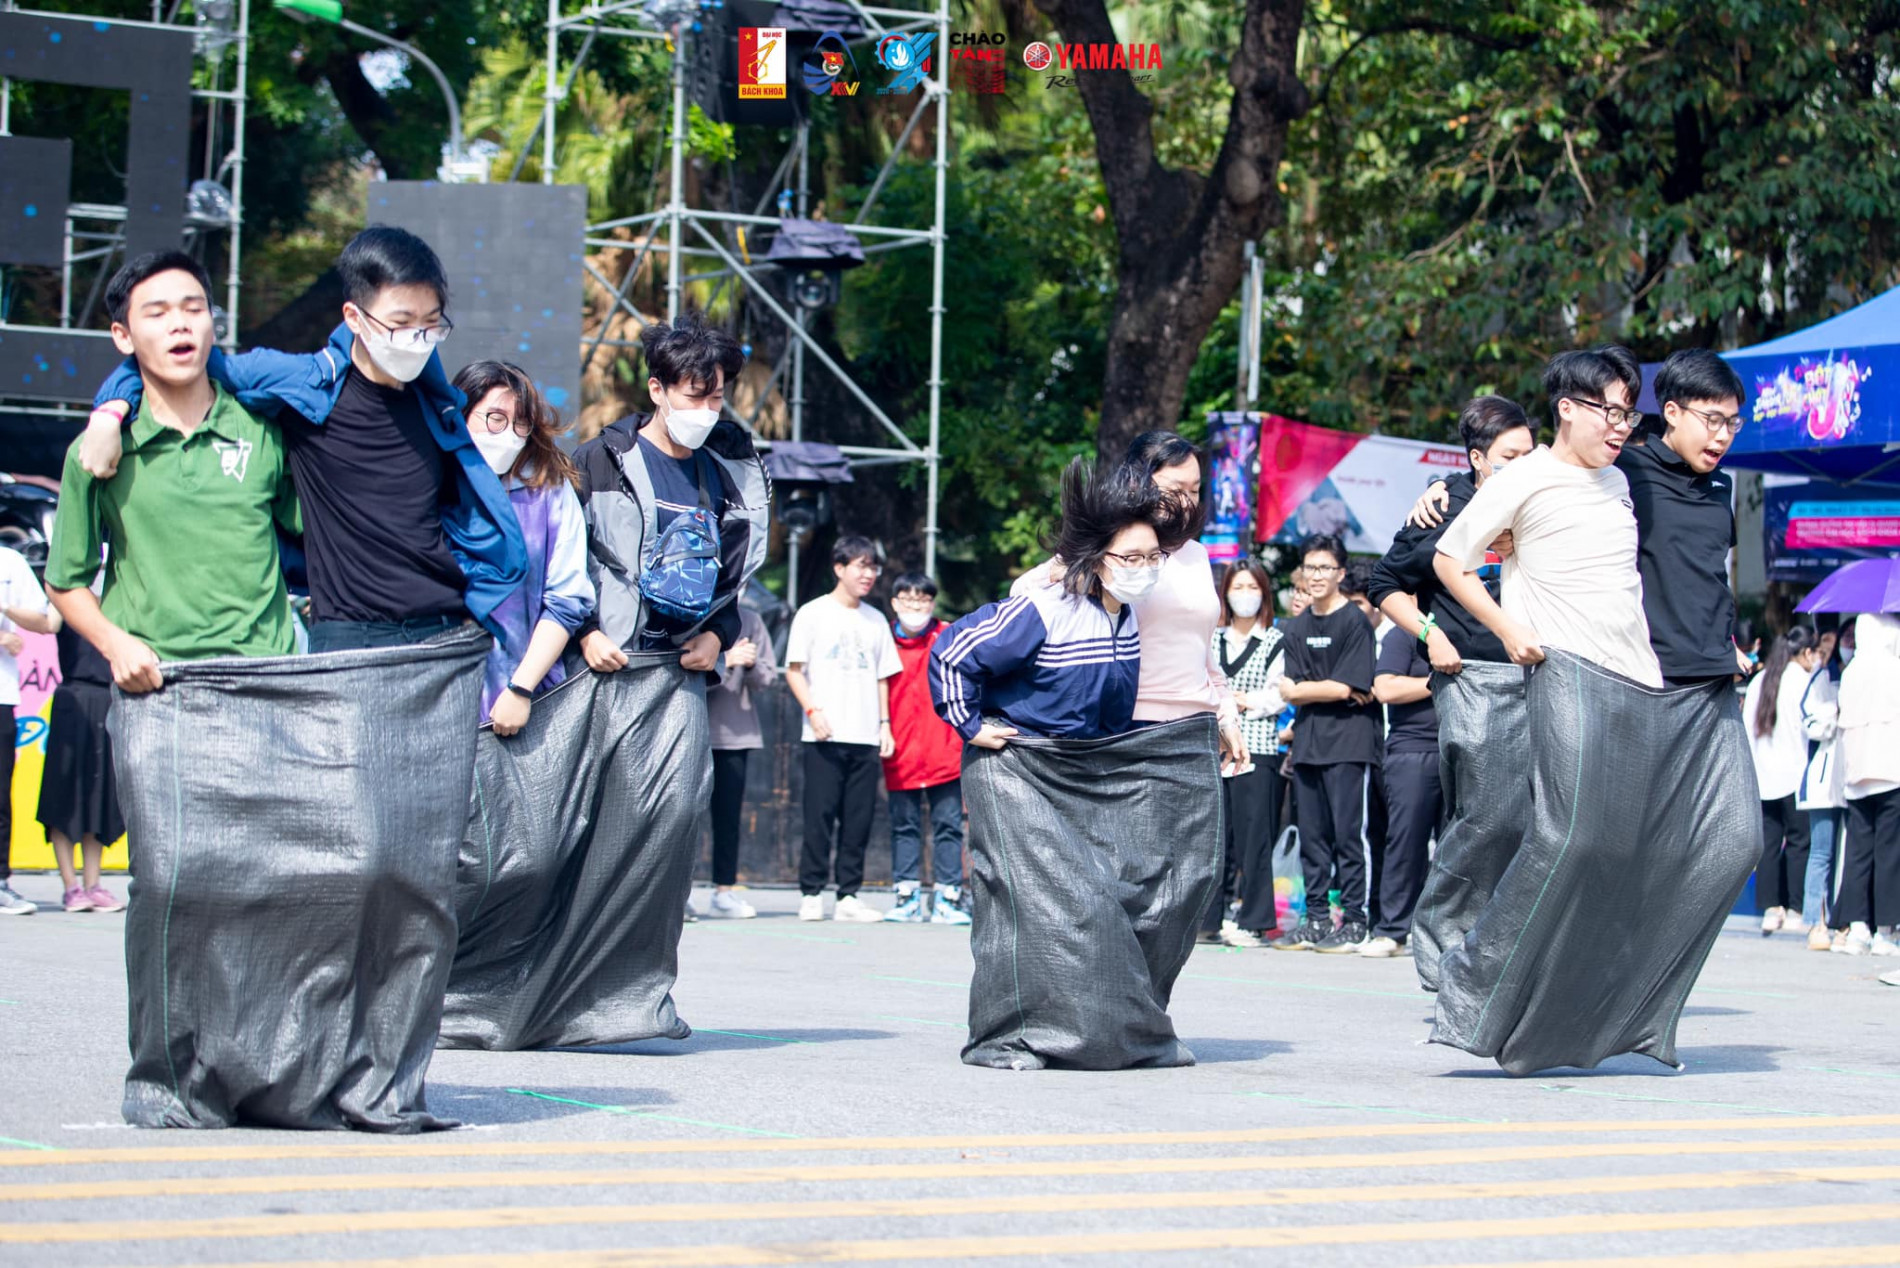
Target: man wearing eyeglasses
{"type": "Point", "coordinates": [407, 532]}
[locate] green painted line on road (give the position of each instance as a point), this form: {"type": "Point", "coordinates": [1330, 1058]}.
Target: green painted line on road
{"type": "Point", "coordinates": [919, 981]}
{"type": "Point", "coordinates": [1677, 1100]}
{"type": "Point", "coordinates": [632, 1112]}
{"type": "Point", "coordinates": [741, 1034]}
{"type": "Point", "coordinates": [28, 1144]}
{"type": "Point", "coordinates": [1418, 996]}
{"type": "Point", "coordinates": [1721, 990]}
{"type": "Point", "coordinates": [9, 1001]}
{"type": "Point", "coordinates": [1862, 1074]}
{"type": "Point", "coordinates": [921, 1021]}
{"type": "Point", "coordinates": [736, 931]}
{"type": "Point", "coordinates": [1370, 1109]}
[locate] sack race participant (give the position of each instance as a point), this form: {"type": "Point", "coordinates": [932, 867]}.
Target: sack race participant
{"type": "Point", "coordinates": [1083, 918]}
{"type": "Point", "coordinates": [300, 987]}
{"type": "Point", "coordinates": [1477, 693]}
{"type": "Point", "coordinates": [1599, 927]}
{"type": "Point", "coordinates": [676, 507]}
{"type": "Point", "coordinates": [578, 854]}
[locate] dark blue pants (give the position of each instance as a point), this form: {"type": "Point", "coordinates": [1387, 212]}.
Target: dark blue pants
{"type": "Point", "coordinates": [355, 636]}
{"type": "Point", "coordinates": [946, 833]}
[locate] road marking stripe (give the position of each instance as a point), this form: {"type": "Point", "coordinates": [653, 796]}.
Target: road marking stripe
{"type": "Point", "coordinates": [1128, 1244]}
{"type": "Point", "coordinates": [446, 1147]}
{"type": "Point", "coordinates": [356, 1222]}
{"type": "Point", "coordinates": [1833, 1257]}
{"type": "Point", "coordinates": [204, 1186]}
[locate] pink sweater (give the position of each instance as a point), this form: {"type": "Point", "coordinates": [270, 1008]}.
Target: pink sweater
{"type": "Point", "coordinates": [1180, 675]}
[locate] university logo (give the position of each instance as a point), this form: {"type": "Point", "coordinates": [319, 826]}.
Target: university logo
{"type": "Point", "coordinates": [761, 62]}
{"type": "Point", "coordinates": [831, 71]}
{"type": "Point", "coordinates": [979, 70]}
{"type": "Point", "coordinates": [234, 457]}
{"type": "Point", "coordinates": [907, 57]}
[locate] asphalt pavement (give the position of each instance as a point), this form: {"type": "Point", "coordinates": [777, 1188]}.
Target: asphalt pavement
{"type": "Point", "coordinates": [820, 1114]}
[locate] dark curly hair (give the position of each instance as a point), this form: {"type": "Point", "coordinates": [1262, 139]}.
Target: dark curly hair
{"type": "Point", "coordinates": [1097, 506]}
{"type": "Point", "coordinates": [543, 460]}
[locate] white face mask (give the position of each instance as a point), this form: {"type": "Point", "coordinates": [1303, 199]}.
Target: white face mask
{"type": "Point", "coordinates": [400, 363]}
{"type": "Point", "coordinates": [1847, 654]}
{"type": "Point", "coordinates": [1246, 603]}
{"type": "Point", "coordinates": [500, 450]}
{"type": "Point", "coordinates": [914, 622]}
{"type": "Point", "coordinates": [1132, 585]}
{"type": "Point", "coordinates": [690, 427]}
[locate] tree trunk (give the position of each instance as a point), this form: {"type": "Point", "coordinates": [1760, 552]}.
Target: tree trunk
{"type": "Point", "coordinates": [1181, 234]}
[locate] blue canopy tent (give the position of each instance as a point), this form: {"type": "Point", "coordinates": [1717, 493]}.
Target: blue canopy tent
{"type": "Point", "coordinates": [1822, 402]}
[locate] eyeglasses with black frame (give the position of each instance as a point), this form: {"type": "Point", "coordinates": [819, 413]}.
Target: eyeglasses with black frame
{"type": "Point", "coordinates": [412, 336]}
{"type": "Point", "coordinates": [1730, 423]}
{"type": "Point", "coordinates": [1149, 559]}
{"type": "Point", "coordinates": [496, 422]}
{"type": "Point", "coordinates": [1614, 415]}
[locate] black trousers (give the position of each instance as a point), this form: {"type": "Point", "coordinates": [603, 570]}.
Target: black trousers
{"type": "Point", "coordinates": [1335, 852]}
{"type": "Point", "coordinates": [728, 800]}
{"type": "Point", "coordinates": [1781, 876]}
{"type": "Point", "coordinates": [1870, 863]}
{"type": "Point", "coordinates": [1253, 824]}
{"type": "Point", "coordinates": [840, 799]}
{"type": "Point", "coordinates": [1414, 805]}
{"type": "Point", "coordinates": [7, 741]}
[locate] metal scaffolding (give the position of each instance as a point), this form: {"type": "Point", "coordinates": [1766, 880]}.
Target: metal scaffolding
{"type": "Point", "coordinates": [635, 19]}
{"type": "Point", "coordinates": [219, 25]}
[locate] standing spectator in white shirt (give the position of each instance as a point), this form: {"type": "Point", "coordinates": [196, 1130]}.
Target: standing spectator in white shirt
{"type": "Point", "coordinates": [23, 606]}
{"type": "Point", "coordinates": [1772, 709]}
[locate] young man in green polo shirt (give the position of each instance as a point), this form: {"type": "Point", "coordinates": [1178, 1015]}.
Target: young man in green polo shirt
{"type": "Point", "coordinates": [192, 569]}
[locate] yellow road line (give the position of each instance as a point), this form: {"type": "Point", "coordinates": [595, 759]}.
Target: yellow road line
{"type": "Point", "coordinates": [883, 1173]}
{"type": "Point", "coordinates": [1130, 1244]}
{"type": "Point", "coordinates": [450, 1147]}
{"type": "Point", "coordinates": [359, 1222]}
{"type": "Point", "coordinates": [1832, 1256]}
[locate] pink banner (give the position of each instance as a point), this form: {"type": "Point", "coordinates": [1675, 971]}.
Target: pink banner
{"type": "Point", "coordinates": [1860, 531]}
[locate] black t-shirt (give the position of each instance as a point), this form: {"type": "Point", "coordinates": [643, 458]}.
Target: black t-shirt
{"type": "Point", "coordinates": [675, 490]}
{"type": "Point", "coordinates": [1337, 647]}
{"type": "Point", "coordinates": [1407, 568]}
{"type": "Point", "coordinates": [371, 479]}
{"type": "Point", "coordinates": [1411, 727]}
{"type": "Point", "coordinates": [1685, 527]}
{"type": "Point", "coordinates": [80, 661]}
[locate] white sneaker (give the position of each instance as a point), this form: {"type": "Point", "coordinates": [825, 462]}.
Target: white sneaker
{"type": "Point", "coordinates": [1232, 935]}
{"type": "Point", "coordinates": [1891, 979]}
{"type": "Point", "coordinates": [811, 907]}
{"type": "Point", "coordinates": [1770, 921]}
{"type": "Point", "coordinates": [11, 904]}
{"type": "Point", "coordinates": [729, 906]}
{"type": "Point", "coordinates": [692, 912]}
{"type": "Point", "coordinates": [1793, 923]}
{"type": "Point", "coordinates": [1381, 948]}
{"type": "Point", "coordinates": [1882, 945]}
{"type": "Point", "coordinates": [1859, 939]}
{"type": "Point", "coordinates": [854, 910]}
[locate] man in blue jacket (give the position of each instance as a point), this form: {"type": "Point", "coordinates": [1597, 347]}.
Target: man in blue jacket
{"type": "Point", "coordinates": [406, 530]}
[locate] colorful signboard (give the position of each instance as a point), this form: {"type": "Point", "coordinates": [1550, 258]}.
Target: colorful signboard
{"type": "Point", "coordinates": [1812, 527]}
{"type": "Point", "coordinates": [1356, 486]}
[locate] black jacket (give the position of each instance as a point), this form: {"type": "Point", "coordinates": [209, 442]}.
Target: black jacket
{"type": "Point", "coordinates": [1407, 568]}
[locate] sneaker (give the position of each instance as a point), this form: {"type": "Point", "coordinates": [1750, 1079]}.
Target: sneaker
{"type": "Point", "coordinates": [1232, 935]}
{"type": "Point", "coordinates": [854, 910]}
{"type": "Point", "coordinates": [946, 907]}
{"type": "Point", "coordinates": [103, 899]}
{"type": "Point", "coordinates": [1891, 978]}
{"type": "Point", "coordinates": [1381, 948]}
{"type": "Point", "coordinates": [910, 907]}
{"type": "Point", "coordinates": [1819, 939]}
{"type": "Point", "coordinates": [727, 905]}
{"type": "Point", "coordinates": [692, 912]}
{"type": "Point", "coordinates": [1305, 936]}
{"type": "Point", "coordinates": [77, 900]}
{"type": "Point", "coordinates": [1771, 921]}
{"type": "Point", "coordinates": [11, 904]}
{"type": "Point", "coordinates": [1882, 945]}
{"type": "Point", "coordinates": [1791, 922]}
{"type": "Point", "coordinates": [1342, 941]}
{"type": "Point", "coordinates": [811, 907]}
{"type": "Point", "coordinates": [1859, 939]}
{"type": "Point", "coordinates": [1838, 942]}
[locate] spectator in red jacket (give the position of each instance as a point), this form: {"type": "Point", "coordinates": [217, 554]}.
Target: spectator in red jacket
{"type": "Point", "coordinates": [926, 770]}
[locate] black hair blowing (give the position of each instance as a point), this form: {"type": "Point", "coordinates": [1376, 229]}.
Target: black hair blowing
{"type": "Point", "coordinates": [1097, 506]}
{"type": "Point", "coordinates": [1797, 640]}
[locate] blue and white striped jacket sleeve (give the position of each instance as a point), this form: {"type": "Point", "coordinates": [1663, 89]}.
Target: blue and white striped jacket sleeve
{"type": "Point", "coordinates": [991, 642]}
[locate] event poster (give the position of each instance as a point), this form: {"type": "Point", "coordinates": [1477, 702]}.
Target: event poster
{"type": "Point", "coordinates": [1812, 527]}
{"type": "Point", "coordinates": [39, 676]}
{"type": "Point", "coordinates": [1355, 486]}
{"type": "Point", "coordinates": [1818, 400]}
{"type": "Point", "coordinates": [1233, 445]}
